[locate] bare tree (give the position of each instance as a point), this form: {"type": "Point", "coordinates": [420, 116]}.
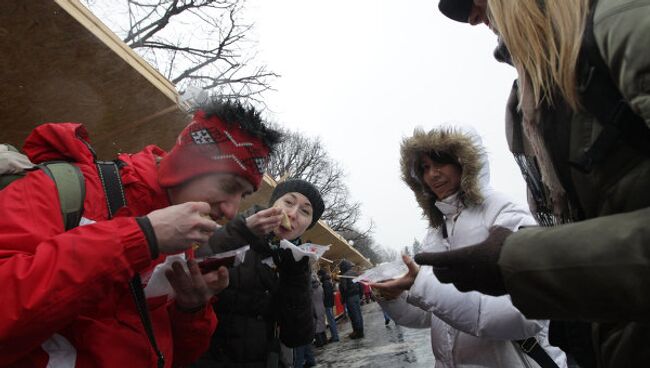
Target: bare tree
{"type": "Point", "coordinates": [202, 43]}
{"type": "Point", "coordinates": [299, 156]}
{"type": "Point", "coordinates": [416, 247]}
{"type": "Point", "coordinates": [370, 249]}
{"type": "Point", "coordinates": [365, 244]}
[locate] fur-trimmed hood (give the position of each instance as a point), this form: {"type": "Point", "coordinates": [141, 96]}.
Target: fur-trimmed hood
{"type": "Point", "coordinates": [464, 145]}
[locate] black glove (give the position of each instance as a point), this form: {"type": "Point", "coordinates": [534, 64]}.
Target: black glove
{"type": "Point", "coordinates": [471, 268]}
{"type": "Point", "coordinates": [289, 268]}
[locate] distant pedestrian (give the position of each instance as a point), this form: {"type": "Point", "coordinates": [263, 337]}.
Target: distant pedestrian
{"type": "Point", "coordinates": [319, 310]}
{"type": "Point", "coordinates": [328, 303]}
{"type": "Point", "coordinates": [386, 319]}
{"type": "Point", "coordinates": [351, 293]}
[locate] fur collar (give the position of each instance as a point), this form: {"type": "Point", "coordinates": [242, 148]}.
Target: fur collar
{"type": "Point", "coordinates": [465, 147]}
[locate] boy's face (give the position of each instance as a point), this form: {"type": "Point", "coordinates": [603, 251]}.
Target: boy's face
{"type": "Point", "coordinates": [223, 192]}
{"type": "Point", "coordinates": [300, 213]}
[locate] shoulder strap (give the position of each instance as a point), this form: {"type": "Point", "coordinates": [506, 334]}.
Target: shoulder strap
{"type": "Point", "coordinates": [109, 174]}
{"type": "Point", "coordinates": [71, 186]}
{"type": "Point", "coordinates": [602, 98]}
{"type": "Point", "coordinates": [6, 179]}
{"type": "Point", "coordinates": [535, 351]}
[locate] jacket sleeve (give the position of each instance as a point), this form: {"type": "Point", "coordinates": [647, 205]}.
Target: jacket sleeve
{"type": "Point", "coordinates": [595, 270]}
{"type": "Point", "coordinates": [191, 333]}
{"type": "Point", "coordinates": [295, 309]}
{"type": "Point", "coordinates": [622, 31]}
{"type": "Point", "coordinates": [50, 277]}
{"type": "Point", "coordinates": [501, 211]}
{"type": "Point", "coordinates": [231, 236]}
{"type": "Point", "coordinates": [473, 313]}
{"type": "Point", "coordinates": [405, 314]}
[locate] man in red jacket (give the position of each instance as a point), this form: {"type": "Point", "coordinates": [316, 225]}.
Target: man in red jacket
{"type": "Point", "coordinates": [66, 300]}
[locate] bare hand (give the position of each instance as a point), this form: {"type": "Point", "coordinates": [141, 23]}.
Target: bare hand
{"type": "Point", "coordinates": [192, 291]}
{"type": "Point", "coordinates": [392, 289]}
{"type": "Point", "coordinates": [181, 226]}
{"type": "Point", "coordinates": [265, 221]}
{"type": "Point", "coordinates": [217, 280]}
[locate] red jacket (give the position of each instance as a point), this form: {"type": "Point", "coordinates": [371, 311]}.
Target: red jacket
{"type": "Point", "coordinates": [65, 296]}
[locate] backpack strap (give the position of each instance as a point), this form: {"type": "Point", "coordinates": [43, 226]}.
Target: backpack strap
{"type": "Point", "coordinates": [534, 350]}
{"type": "Point", "coordinates": [109, 174]}
{"type": "Point", "coordinates": [71, 186]}
{"type": "Point", "coordinates": [602, 98]}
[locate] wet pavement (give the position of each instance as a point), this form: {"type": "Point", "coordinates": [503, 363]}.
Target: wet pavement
{"type": "Point", "coordinates": [383, 346]}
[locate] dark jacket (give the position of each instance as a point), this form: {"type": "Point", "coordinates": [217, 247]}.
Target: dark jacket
{"type": "Point", "coordinates": [346, 286]}
{"type": "Point", "coordinates": [595, 265]}
{"type": "Point", "coordinates": [328, 289]}
{"type": "Point", "coordinates": [257, 299]}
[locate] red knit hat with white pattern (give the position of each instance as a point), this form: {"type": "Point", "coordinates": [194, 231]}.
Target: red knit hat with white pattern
{"type": "Point", "coordinates": [210, 145]}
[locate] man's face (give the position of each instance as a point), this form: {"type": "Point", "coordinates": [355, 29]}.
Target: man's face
{"type": "Point", "coordinates": [442, 179]}
{"type": "Point", "coordinates": [300, 213]}
{"type": "Point", "coordinates": [478, 14]}
{"type": "Point", "coordinates": [223, 192]}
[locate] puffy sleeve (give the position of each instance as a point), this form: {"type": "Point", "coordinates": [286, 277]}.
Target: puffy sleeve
{"type": "Point", "coordinates": [623, 34]}
{"type": "Point", "coordinates": [473, 313]}
{"type": "Point", "coordinates": [405, 314]}
{"type": "Point", "coordinates": [595, 270]}
{"type": "Point", "coordinates": [500, 210]}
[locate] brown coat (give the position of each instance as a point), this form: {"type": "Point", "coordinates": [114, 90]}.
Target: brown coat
{"type": "Point", "coordinates": [595, 264]}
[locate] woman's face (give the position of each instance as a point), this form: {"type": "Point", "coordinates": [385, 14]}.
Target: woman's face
{"type": "Point", "coordinates": [478, 14]}
{"type": "Point", "coordinates": [300, 213]}
{"type": "Point", "coordinates": [442, 179]}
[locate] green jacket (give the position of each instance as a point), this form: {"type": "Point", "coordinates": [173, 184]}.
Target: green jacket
{"type": "Point", "coordinates": [594, 265]}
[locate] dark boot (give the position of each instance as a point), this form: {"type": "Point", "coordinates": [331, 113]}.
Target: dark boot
{"type": "Point", "coordinates": [320, 340]}
{"type": "Point", "coordinates": [356, 335]}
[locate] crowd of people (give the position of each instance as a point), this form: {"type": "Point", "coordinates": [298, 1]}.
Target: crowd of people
{"type": "Point", "coordinates": [561, 283]}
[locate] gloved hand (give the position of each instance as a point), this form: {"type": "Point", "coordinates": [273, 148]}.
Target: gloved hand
{"type": "Point", "coordinates": [471, 268]}
{"type": "Point", "coordinates": [287, 265]}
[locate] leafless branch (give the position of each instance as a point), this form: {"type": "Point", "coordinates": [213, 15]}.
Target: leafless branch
{"type": "Point", "coordinates": [201, 43]}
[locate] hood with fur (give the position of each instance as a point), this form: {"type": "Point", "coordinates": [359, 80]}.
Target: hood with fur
{"type": "Point", "coordinates": [461, 143]}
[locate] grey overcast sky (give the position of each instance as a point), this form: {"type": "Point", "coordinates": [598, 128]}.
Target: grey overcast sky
{"type": "Point", "coordinates": [362, 74]}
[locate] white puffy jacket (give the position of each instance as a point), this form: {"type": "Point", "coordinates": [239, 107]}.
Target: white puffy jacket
{"type": "Point", "coordinates": [468, 329]}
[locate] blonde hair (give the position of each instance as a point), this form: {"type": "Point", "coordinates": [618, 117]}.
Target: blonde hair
{"type": "Point", "coordinates": [544, 38]}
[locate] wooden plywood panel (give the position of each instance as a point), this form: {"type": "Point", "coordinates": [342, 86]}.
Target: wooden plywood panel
{"type": "Point", "coordinates": [59, 63]}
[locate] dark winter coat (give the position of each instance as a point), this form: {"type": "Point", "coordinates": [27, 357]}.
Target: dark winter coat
{"type": "Point", "coordinates": [328, 290]}
{"type": "Point", "coordinates": [596, 266]}
{"type": "Point", "coordinates": [257, 299]}
{"type": "Point", "coordinates": [346, 286]}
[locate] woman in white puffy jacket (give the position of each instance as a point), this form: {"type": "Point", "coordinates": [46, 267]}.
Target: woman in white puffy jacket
{"type": "Point", "coordinates": [447, 170]}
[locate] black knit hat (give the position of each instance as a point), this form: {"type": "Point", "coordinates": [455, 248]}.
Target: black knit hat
{"type": "Point", "coordinates": [457, 10]}
{"type": "Point", "coordinates": [305, 188]}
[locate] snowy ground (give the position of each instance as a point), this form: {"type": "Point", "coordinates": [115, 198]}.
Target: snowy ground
{"type": "Point", "coordinates": [383, 346]}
